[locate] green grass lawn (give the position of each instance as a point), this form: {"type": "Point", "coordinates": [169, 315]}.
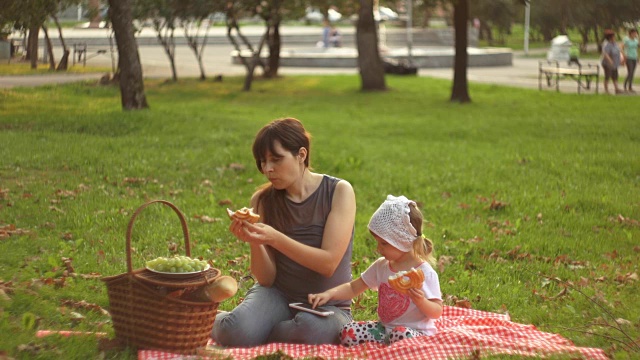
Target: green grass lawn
{"type": "Point", "coordinates": [532, 198]}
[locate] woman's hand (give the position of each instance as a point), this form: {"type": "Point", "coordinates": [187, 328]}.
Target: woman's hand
{"type": "Point", "coordinates": [263, 265]}
{"type": "Point", "coordinates": [256, 234]}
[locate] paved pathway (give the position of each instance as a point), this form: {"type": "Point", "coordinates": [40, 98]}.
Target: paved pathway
{"type": "Point", "coordinates": [217, 60]}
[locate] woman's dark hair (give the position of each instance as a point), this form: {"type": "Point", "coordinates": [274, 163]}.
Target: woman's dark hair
{"type": "Point", "coordinates": [292, 136]}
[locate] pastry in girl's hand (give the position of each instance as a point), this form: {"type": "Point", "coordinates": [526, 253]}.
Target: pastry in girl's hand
{"type": "Point", "coordinates": [405, 280]}
{"type": "Point", "coordinates": [244, 214]}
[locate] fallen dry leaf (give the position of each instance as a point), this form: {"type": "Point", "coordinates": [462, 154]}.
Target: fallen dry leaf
{"type": "Point", "coordinates": [627, 221]}
{"type": "Point", "coordinates": [238, 260]}
{"type": "Point", "coordinates": [621, 321]}
{"type": "Point", "coordinates": [225, 202]}
{"type": "Point", "coordinates": [443, 261]}
{"type": "Point", "coordinates": [83, 304]}
{"type": "Point", "coordinates": [464, 304]}
{"type": "Point", "coordinates": [497, 205]}
{"type": "Point", "coordinates": [65, 193]}
{"type": "Point", "coordinates": [68, 265]}
{"type": "Point", "coordinates": [133, 181]}
{"type": "Point", "coordinates": [10, 230]}
{"type": "Point", "coordinates": [91, 275]}
{"type": "Point", "coordinates": [207, 219]}
{"type": "Point", "coordinates": [625, 278]}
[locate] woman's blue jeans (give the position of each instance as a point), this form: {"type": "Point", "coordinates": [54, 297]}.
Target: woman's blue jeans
{"type": "Point", "coordinates": [265, 317]}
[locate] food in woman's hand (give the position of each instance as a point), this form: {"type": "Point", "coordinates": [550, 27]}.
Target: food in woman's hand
{"type": "Point", "coordinates": [244, 214]}
{"type": "Point", "coordinates": [405, 280]}
{"type": "Point", "coordinates": [176, 264]}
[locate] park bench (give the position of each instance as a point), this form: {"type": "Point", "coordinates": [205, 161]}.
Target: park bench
{"type": "Point", "coordinates": [80, 53]}
{"type": "Point", "coordinates": [582, 74]}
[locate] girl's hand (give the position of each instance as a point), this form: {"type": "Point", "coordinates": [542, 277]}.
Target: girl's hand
{"type": "Point", "coordinates": [416, 295]}
{"type": "Point", "coordinates": [319, 299]}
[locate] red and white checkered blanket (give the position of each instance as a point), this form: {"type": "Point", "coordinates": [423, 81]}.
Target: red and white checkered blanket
{"type": "Point", "coordinates": [461, 333]}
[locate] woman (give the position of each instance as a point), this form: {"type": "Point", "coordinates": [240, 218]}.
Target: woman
{"type": "Point", "coordinates": [303, 246]}
{"type": "Point", "coordinates": [610, 60]}
{"type": "Point", "coordinates": [630, 49]}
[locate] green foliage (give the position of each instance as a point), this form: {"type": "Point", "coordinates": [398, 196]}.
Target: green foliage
{"type": "Point", "coordinates": [531, 198]}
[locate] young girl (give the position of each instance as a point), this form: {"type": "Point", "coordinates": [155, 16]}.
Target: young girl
{"type": "Point", "coordinates": [397, 228]}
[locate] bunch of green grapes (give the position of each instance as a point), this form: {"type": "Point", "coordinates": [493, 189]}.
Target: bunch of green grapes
{"type": "Point", "coordinates": [176, 264]}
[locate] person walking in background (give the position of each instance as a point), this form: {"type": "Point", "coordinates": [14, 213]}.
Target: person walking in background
{"type": "Point", "coordinates": [611, 59]}
{"type": "Point", "coordinates": [403, 313]}
{"type": "Point", "coordinates": [630, 50]}
{"type": "Point", "coordinates": [335, 39]}
{"type": "Point", "coordinates": [326, 33]}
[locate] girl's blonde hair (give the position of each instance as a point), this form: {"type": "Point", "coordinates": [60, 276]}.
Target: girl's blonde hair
{"type": "Point", "coordinates": [422, 247]}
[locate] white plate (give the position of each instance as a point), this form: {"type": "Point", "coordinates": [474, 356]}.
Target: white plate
{"type": "Point", "coordinates": [179, 275]}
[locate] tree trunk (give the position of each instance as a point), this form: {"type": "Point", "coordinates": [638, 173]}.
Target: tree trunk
{"type": "Point", "coordinates": [369, 62]}
{"type": "Point", "coordinates": [131, 80]}
{"type": "Point", "coordinates": [426, 17]}
{"type": "Point", "coordinates": [169, 46]}
{"type": "Point", "coordinates": [584, 33]}
{"type": "Point", "coordinates": [250, 65]}
{"type": "Point", "coordinates": [94, 9]}
{"type": "Point", "coordinates": [273, 41]}
{"type": "Point", "coordinates": [273, 63]}
{"type": "Point", "coordinates": [196, 47]}
{"type": "Point", "coordinates": [255, 61]}
{"type": "Point", "coordinates": [64, 61]}
{"type": "Point", "coordinates": [47, 40]}
{"type": "Point", "coordinates": [32, 52]}
{"type": "Point", "coordinates": [460, 91]}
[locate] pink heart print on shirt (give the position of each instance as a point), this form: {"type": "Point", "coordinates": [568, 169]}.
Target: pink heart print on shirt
{"type": "Point", "coordinates": [391, 303]}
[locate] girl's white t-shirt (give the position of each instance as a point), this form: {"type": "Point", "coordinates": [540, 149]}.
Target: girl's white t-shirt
{"type": "Point", "coordinates": [395, 308]}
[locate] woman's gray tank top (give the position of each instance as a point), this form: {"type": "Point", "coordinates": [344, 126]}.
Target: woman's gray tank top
{"type": "Point", "coordinates": [309, 219]}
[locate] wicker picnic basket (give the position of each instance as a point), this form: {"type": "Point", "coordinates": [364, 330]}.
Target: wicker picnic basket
{"type": "Point", "coordinates": [145, 314]}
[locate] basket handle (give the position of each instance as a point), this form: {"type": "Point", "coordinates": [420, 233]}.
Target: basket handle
{"type": "Point", "coordinates": [183, 222]}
